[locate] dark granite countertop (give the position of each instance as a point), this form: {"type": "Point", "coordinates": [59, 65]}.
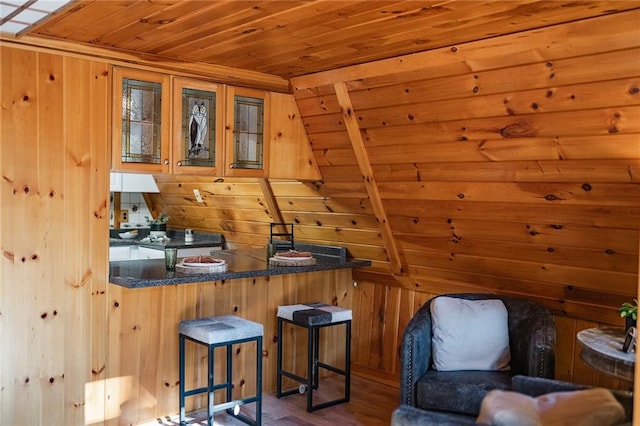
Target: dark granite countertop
{"type": "Point", "coordinates": [241, 263]}
{"type": "Point", "coordinates": [200, 239]}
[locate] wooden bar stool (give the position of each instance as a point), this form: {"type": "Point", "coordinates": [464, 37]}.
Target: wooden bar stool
{"type": "Point", "coordinates": [314, 317]}
{"type": "Point", "coordinates": [215, 332]}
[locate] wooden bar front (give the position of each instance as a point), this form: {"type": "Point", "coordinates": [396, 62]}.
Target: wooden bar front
{"type": "Point", "coordinates": [143, 337]}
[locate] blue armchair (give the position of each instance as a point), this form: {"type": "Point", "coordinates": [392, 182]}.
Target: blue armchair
{"type": "Point", "coordinates": [532, 339]}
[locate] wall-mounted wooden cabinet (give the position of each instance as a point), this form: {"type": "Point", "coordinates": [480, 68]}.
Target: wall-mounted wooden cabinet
{"type": "Point", "coordinates": [247, 132]}
{"type": "Point", "coordinates": [164, 124]}
{"type": "Point", "coordinates": [141, 121]}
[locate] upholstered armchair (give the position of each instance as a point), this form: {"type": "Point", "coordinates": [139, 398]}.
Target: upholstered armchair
{"type": "Point", "coordinates": [531, 342]}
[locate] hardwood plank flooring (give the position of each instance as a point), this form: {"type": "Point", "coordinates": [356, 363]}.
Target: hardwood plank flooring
{"type": "Point", "coordinates": [371, 404]}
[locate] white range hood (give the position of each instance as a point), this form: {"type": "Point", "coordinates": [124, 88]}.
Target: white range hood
{"type": "Point", "coordinates": [132, 182]}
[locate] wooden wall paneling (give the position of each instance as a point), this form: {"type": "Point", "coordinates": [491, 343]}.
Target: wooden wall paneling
{"type": "Point", "coordinates": [544, 100]}
{"type": "Point", "coordinates": [323, 205]}
{"type": "Point", "coordinates": [594, 122]}
{"type": "Point", "coordinates": [97, 108]}
{"type": "Point", "coordinates": [603, 194]}
{"type": "Point", "coordinates": [565, 170]}
{"type": "Point", "coordinates": [63, 226]}
{"type": "Point", "coordinates": [46, 152]}
{"type": "Point", "coordinates": [624, 217]}
{"type": "Point", "coordinates": [291, 156]}
{"type": "Point", "coordinates": [367, 174]}
{"type": "Point", "coordinates": [362, 316]}
{"type": "Point", "coordinates": [565, 73]}
{"type": "Point", "coordinates": [588, 36]}
{"type": "Point", "coordinates": [329, 139]}
{"type": "Point", "coordinates": [594, 279]}
{"type": "Point", "coordinates": [480, 148]}
{"type": "Point", "coordinates": [458, 244]}
{"type": "Point", "coordinates": [331, 219]}
{"type": "Point", "coordinates": [618, 239]}
{"type": "Point", "coordinates": [20, 190]}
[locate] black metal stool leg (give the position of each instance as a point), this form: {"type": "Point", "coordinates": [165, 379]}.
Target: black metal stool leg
{"type": "Point", "coordinates": [210, 386]}
{"type": "Point", "coordinates": [316, 356]}
{"type": "Point", "coordinates": [347, 367]}
{"type": "Point", "coordinates": [229, 383]}
{"type": "Point", "coordinates": [181, 377]}
{"type": "Point", "coordinates": [259, 382]}
{"type": "Point", "coordinates": [310, 368]}
{"type": "Point", "coordinates": [279, 361]}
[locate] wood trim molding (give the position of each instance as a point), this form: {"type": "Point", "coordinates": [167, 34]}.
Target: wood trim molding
{"type": "Point", "coordinates": [366, 170]}
{"type": "Point", "coordinates": [216, 73]}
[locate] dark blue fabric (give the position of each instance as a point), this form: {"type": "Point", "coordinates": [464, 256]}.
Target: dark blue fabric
{"type": "Point", "coordinates": [312, 317]}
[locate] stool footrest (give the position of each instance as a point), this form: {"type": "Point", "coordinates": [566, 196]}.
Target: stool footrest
{"type": "Point", "coordinates": [332, 368]}
{"type": "Point", "coordinates": [232, 404]}
{"type": "Point", "coordinates": [293, 376]}
{"type": "Point", "coordinates": [205, 389]}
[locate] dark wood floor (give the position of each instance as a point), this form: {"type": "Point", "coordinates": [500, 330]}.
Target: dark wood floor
{"type": "Point", "coordinates": [371, 404]}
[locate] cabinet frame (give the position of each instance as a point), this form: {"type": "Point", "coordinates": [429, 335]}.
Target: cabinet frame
{"type": "Point", "coordinates": [229, 132]}
{"type": "Point", "coordinates": [119, 74]}
{"type": "Point", "coordinates": [178, 84]}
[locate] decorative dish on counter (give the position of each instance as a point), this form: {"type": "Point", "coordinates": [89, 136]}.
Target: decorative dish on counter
{"type": "Point", "coordinates": [293, 255]}
{"type": "Point", "coordinates": [129, 235]}
{"type": "Point", "coordinates": [292, 258]}
{"type": "Point", "coordinates": [202, 264]}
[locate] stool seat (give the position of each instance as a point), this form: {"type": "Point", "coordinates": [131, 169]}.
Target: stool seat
{"type": "Point", "coordinates": [314, 314]}
{"type": "Point", "coordinates": [221, 329]}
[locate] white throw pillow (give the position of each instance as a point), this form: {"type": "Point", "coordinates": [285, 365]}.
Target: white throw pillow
{"type": "Point", "coordinates": [589, 407]}
{"type": "Point", "coordinates": [469, 334]}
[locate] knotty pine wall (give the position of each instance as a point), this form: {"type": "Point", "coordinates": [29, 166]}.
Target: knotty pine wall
{"type": "Point", "coordinates": [508, 165]}
{"type": "Point", "coordinates": [54, 220]}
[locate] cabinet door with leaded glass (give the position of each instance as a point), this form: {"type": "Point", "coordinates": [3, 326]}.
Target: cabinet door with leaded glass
{"type": "Point", "coordinates": [141, 113]}
{"type": "Point", "coordinates": [247, 141]}
{"type": "Point", "coordinates": [197, 126]}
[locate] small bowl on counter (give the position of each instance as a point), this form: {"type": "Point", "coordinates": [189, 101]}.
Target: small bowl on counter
{"type": "Point", "coordinates": [128, 235]}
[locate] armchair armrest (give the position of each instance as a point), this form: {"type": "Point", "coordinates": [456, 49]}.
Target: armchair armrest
{"type": "Point", "coordinates": [532, 351]}
{"type": "Point", "coordinates": [415, 356]}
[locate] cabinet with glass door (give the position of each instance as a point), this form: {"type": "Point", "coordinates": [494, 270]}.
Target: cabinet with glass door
{"type": "Point", "coordinates": [141, 127]}
{"type": "Point", "coordinates": [198, 124]}
{"type": "Point", "coordinates": [247, 132]}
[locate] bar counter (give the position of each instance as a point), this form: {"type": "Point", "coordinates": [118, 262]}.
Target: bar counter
{"type": "Point", "coordinates": [241, 263]}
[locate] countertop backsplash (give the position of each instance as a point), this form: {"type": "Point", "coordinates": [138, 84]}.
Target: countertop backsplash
{"type": "Point", "coordinates": [138, 212]}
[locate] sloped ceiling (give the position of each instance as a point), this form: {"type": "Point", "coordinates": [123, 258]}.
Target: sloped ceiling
{"type": "Point", "coordinates": [294, 38]}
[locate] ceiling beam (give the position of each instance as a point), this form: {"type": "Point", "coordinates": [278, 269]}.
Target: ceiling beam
{"type": "Point", "coordinates": [366, 170]}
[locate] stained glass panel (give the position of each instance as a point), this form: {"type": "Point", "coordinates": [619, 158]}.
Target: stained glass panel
{"type": "Point", "coordinates": [198, 128]}
{"type": "Point", "coordinates": [248, 132]}
{"type": "Point", "coordinates": [141, 121]}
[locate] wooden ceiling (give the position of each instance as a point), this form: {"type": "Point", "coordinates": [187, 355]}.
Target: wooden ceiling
{"type": "Point", "coordinates": [293, 38]}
